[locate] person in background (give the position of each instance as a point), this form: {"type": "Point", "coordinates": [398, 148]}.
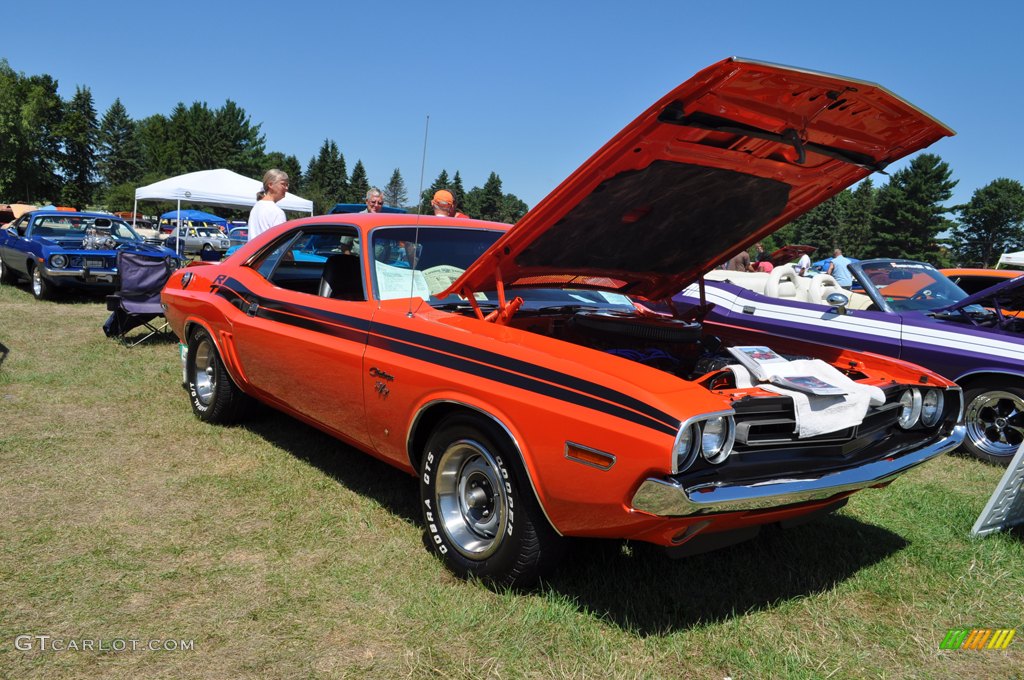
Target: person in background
{"type": "Point", "coordinates": [803, 264]}
{"type": "Point", "coordinates": [443, 204]}
{"type": "Point", "coordinates": [266, 214]}
{"type": "Point", "coordinates": [374, 200]}
{"type": "Point", "coordinates": [740, 262]}
{"type": "Point", "coordinates": [761, 256]}
{"type": "Point", "coordinates": [839, 268]}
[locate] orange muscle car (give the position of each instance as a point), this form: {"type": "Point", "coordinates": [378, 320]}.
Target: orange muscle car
{"type": "Point", "coordinates": [515, 371]}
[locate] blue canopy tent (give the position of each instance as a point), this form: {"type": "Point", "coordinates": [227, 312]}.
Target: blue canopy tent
{"type": "Point", "coordinates": [194, 216]}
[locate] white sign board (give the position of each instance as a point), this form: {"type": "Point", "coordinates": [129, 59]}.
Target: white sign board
{"type": "Point", "coordinates": [1005, 508]}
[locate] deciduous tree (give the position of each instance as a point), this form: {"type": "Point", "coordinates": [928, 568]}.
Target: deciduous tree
{"type": "Point", "coordinates": [991, 223]}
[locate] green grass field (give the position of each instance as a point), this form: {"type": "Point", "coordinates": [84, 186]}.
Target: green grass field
{"type": "Point", "coordinates": [274, 551]}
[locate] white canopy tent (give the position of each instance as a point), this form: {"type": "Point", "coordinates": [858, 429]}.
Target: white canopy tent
{"type": "Point", "coordinates": [1013, 259]}
{"type": "Point", "coordinates": [220, 187]}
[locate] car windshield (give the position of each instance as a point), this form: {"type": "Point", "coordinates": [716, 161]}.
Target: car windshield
{"type": "Point", "coordinates": [75, 226]}
{"type": "Point", "coordinates": [910, 286]}
{"type": "Point", "coordinates": [424, 262]}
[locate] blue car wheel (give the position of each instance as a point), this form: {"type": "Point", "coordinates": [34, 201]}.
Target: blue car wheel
{"type": "Point", "coordinates": [42, 289]}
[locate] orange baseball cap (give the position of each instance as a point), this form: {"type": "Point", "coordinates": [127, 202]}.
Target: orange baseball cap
{"type": "Point", "coordinates": [443, 196]}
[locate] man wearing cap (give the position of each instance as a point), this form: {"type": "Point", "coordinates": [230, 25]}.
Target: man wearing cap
{"type": "Point", "coordinates": [444, 204]}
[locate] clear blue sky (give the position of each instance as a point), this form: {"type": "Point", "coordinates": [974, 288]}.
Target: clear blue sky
{"type": "Point", "coordinates": [526, 89]}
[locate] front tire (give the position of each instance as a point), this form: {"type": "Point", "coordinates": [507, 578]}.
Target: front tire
{"type": "Point", "coordinates": [214, 395]}
{"type": "Point", "coordinates": [480, 514]}
{"type": "Point", "coordinates": [995, 421]}
{"type": "Point", "coordinates": [42, 289]}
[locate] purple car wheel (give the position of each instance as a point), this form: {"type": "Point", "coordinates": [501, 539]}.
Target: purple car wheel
{"type": "Point", "coordinates": [995, 422]}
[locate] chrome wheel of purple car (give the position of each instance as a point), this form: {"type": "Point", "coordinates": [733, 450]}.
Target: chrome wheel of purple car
{"type": "Point", "coordinates": [995, 423]}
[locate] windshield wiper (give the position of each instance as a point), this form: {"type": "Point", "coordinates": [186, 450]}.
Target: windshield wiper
{"type": "Point", "coordinates": [462, 305]}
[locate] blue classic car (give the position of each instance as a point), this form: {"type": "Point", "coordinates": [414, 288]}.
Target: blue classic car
{"type": "Point", "coordinates": [58, 250]}
{"type": "Point", "coordinates": [907, 309]}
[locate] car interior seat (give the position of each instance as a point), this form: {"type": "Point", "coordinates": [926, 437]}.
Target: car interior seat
{"type": "Point", "coordinates": [342, 278]}
{"type": "Point", "coordinates": [821, 287]}
{"type": "Point", "coordinates": [784, 282]}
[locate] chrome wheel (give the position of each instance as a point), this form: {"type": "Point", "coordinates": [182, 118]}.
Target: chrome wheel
{"type": "Point", "coordinates": [471, 499]}
{"type": "Point", "coordinates": [40, 286]}
{"type": "Point", "coordinates": [995, 423]}
{"type": "Point", "coordinates": [205, 378]}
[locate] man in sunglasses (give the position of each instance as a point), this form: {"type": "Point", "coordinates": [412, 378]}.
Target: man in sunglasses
{"type": "Point", "coordinates": [374, 200]}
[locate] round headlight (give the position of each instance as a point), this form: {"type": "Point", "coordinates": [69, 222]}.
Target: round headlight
{"type": "Point", "coordinates": [716, 439]}
{"type": "Point", "coordinates": [59, 261]}
{"type": "Point", "coordinates": [683, 450]}
{"type": "Point", "coordinates": [931, 407]}
{"type": "Point", "coordinates": [910, 408]}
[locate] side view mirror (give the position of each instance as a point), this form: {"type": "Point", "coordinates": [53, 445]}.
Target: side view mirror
{"type": "Point", "coordinates": [838, 302]}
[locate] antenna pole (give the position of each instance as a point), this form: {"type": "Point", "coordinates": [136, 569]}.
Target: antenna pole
{"type": "Point", "coordinates": [416, 238]}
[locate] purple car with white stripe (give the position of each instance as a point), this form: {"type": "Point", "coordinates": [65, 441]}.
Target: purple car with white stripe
{"type": "Point", "coordinates": [908, 310]}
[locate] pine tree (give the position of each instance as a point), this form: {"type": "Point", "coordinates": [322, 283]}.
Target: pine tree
{"type": "Point", "coordinates": [326, 181]}
{"type": "Point", "coordinates": [79, 131]}
{"type": "Point", "coordinates": [395, 193]}
{"type": "Point", "coordinates": [490, 201]}
{"type": "Point", "coordinates": [458, 192]}
{"type": "Point", "coordinates": [909, 213]}
{"type": "Point", "coordinates": [119, 156]}
{"type": "Point", "coordinates": [358, 184]}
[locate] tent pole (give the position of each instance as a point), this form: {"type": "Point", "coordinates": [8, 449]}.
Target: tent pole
{"type": "Point", "coordinates": [177, 241]}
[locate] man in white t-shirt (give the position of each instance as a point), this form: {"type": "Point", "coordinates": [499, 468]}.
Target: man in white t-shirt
{"type": "Point", "coordinates": [266, 213]}
{"type": "Point", "coordinates": [803, 264]}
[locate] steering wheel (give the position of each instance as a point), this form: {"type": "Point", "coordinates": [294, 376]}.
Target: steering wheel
{"type": "Point", "coordinates": [925, 294]}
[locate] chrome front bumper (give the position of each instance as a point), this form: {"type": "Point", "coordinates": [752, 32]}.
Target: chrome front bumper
{"type": "Point", "coordinates": [668, 498]}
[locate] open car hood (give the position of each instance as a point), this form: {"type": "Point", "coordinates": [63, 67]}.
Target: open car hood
{"type": "Point", "coordinates": [787, 254]}
{"type": "Point", "coordinates": [1007, 295]}
{"type": "Point", "coordinates": [724, 159]}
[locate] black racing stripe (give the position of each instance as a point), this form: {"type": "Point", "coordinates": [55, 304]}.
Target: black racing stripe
{"type": "Point", "coordinates": [516, 380]}
{"type": "Point", "coordinates": [343, 332]}
{"type": "Point", "coordinates": [484, 363]}
{"type": "Point", "coordinates": [526, 368]}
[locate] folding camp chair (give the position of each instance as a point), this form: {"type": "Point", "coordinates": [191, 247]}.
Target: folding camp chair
{"type": "Point", "coordinates": [137, 300]}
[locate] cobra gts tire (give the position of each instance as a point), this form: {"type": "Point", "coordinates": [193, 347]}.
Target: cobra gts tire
{"type": "Point", "coordinates": [214, 396]}
{"type": "Point", "coordinates": [480, 514]}
{"type": "Point", "coordinates": [995, 420]}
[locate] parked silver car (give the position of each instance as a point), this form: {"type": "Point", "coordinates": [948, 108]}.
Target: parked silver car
{"type": "Point", "coordinates": [197, 239]}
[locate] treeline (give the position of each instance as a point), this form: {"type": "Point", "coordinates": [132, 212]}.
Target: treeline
{"type": "Point", "coordinates": [57, 151]}
{"type": "Point", "coordinates": [53, 150]}
{"type": "Point", "coordinates": [908, 217]}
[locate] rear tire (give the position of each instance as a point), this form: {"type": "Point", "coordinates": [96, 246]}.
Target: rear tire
{"type": "Point", "coordinates": [7, 275]}
{"type": "Point", "coordinates": [994, 417]}
{"type": "Point", "coordinates": [480, 514]}
{"type": "Point", "coordinates": [214, 395]}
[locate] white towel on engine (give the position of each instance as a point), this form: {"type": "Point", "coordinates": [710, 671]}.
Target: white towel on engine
{"type": "Point", "coordinates": [819, 414]}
